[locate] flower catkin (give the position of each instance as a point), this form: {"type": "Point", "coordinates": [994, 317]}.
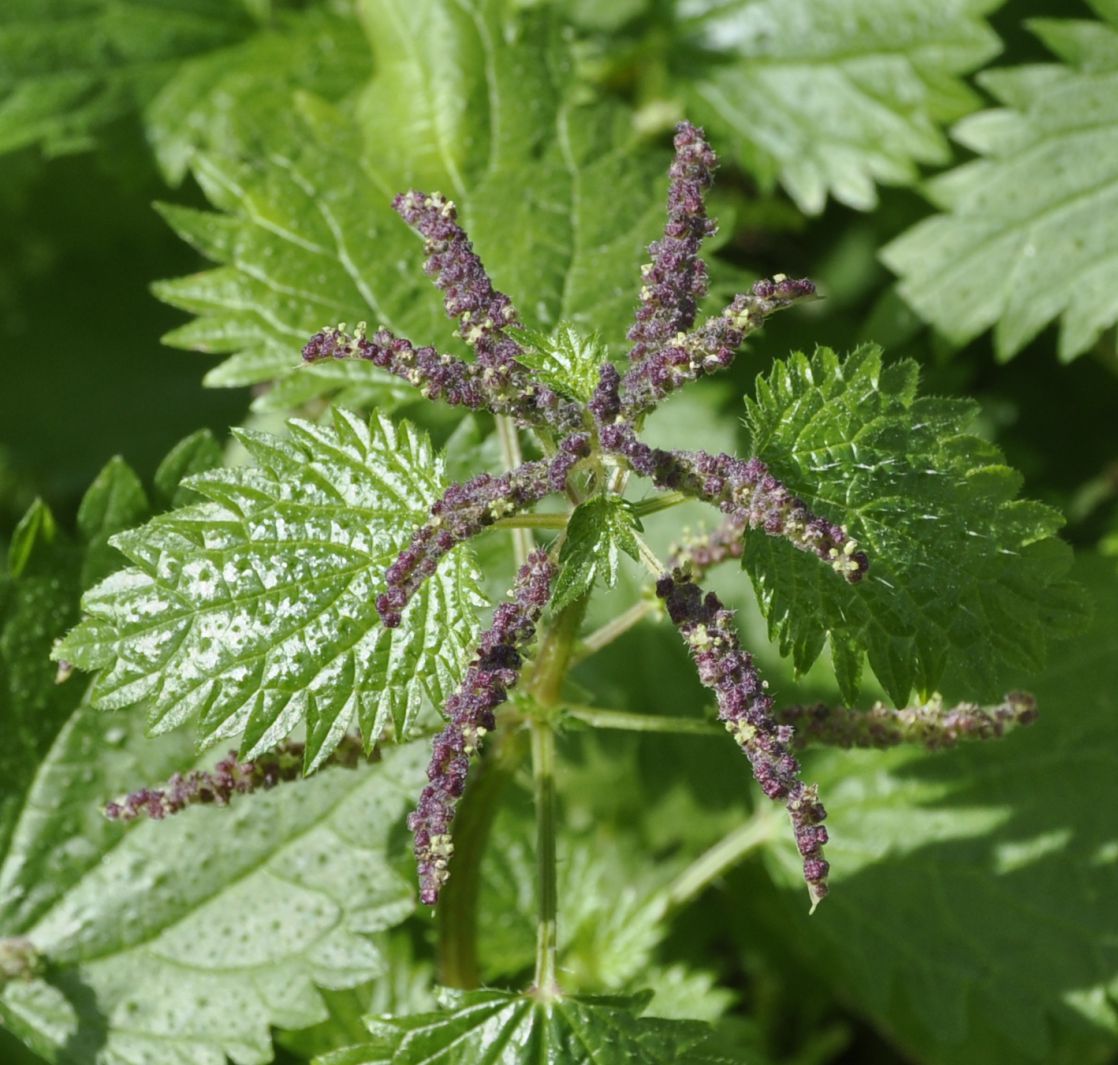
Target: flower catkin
{"type": "Point", "coordinates": [465, 510]}
{"type": "Point", "coordinates": [746, 709]}
{"type": "Point", "coordinates": [687, 356]}
{"type": "Point", "coordinates": [216, 787]}
{"type": "Point", "coordinates": [484, 314]}
{"type": "Point", "coordinates": [485, 686]}
{"type": "Point", "coordinates": [676, 278]}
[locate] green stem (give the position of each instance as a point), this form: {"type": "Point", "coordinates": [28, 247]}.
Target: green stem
{"type": "Point", "coordinates": [543, 776]}
{"type": "Point", "coordinates": [522, 543]}
{"type": "Point", "coordinates": [458, 904]}
{"type": "Point", "coordinates": [632, 722]}
{"type": "Point", "coordinates": [532, 521]}
{"type": "Point", "coordinates": [648, 557]}
{"type": "Point", "coordinates": [551, 667]}
{"type": "Point", "coordinates": [660, 502]}
{"type": "Point", "coordinates": [723, 856]}
{"type": "Point", "coordinates": [616, 627]}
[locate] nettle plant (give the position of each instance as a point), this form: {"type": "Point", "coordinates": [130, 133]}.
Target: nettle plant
{"type": "Point", "coordinates": [322, 605]}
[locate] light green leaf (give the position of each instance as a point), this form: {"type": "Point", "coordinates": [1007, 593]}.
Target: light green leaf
{"type": "Point", "coordinates": [507, 1029]}
{"type": "Point", "coordinates": [598, 530]}
{"type": "Point", "coordinates": [114, 501]}
{"type": "Point", "coordinates": [196, 453]}
{"type": "Point", "coordinates": [1029, 230]}
{"type": "Point", "coordinates": [182, 941]}
{"type": "Point", "coordinates": [254, 612]}
{"type": "Point", "coordinates": [230, 98]}
{"type": "Point", "coordinates": [306, 238]}
{"type": "Point", "coordinates": [966, 582]}
{"type": "Point", "coordinates": [68, 67]}
{"type": "Point", "coordinates": [972, 906]}
{"type": "Point", "coordinates": [558, 199]}
{"type": "Point", "coordinates": [829, 97]}
{"type": "Point", "coordinates": [566, 360]}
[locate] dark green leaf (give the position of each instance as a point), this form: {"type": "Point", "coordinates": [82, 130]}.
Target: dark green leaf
{"type": "Point", "coordinates": [971, 911]}
{"type": "Point", "coordinates": [966, 582]}
{"type": "Point", "coordinates": [598, 530]}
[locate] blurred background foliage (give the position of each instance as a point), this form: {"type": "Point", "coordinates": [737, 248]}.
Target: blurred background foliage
{"type": "Point", "coordinates": [106, 108]}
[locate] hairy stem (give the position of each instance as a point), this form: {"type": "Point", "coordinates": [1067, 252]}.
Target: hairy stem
{"type": "Point", "coordinates": [532, 521]}
{"type": "Point", "coordinates": [628, 721]}
{"type": "Point", "coordinates": [510, 454]}
{"type": "Point", "coordinates": [661, 502]}
{"type": "Point", "coordinates": [616, 627]}
{"type": "Point", "coordinates": [723, 856]}
{"type": "Point", "coordinates": [547, 680]}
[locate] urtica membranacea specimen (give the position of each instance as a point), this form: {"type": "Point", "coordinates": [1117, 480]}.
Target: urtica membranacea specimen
{"type": "Point", "coordinates": [668, 350]}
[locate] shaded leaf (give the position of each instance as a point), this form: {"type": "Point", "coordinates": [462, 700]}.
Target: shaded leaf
{"type": "Point", "coordinates": [971, 907]}
{"type": "Point", "coordinates": [507, 1029]}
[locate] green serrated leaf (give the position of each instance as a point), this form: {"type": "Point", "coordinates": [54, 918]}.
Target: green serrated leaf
{"type": "Point", "coordinates": [978, 884]}
{"type": "Point", "coordinates": [558, 199]}
{"type": "Point", "coordinates": [829, 98]}
{"type": "Point", "coordinates": [598, 530]}
{"type": "Point", "coordinates": [507, 1029]}
{"type": "Point", "coordinates": [185, 940]}
{"type": "Point", "coordinates": [966, 584]}
{"type": "Point", "coordinates": [114, 501]}
{"type": "Point", "coordinates": [195, 454]}
{"type": "Point", "coordinates": [567, 360]}
{"type": "Point", "coordinates": [232, 96]}
{"type": "Point", "coordinates": [254, 611]}
{"type": "Point", "coordinates": [71, 66]}
{"type": "Point", "coordinates": [1028, 230]}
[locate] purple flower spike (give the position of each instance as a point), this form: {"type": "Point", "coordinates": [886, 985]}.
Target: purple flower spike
{"type": "Point", "coordinates": [676, 279]}
{"type": "Point", "coordinates": [436, 376]}
{"type": "Point", "coordinates": [688, 356]}
{"type": "Point", "coordinates": [466, 509]}
{"type": "Point", "coordinates": [745, 707]}
{"type": "Point", "coordinates": [745, 491]}
{"type": "Point", "coordinates": [931, 725]}
{"type": "Point", "coordinates": [484, 315]}
{"type": "Point", "coordinates": [228, 778]}
{"type": "Point", "coordinates": [485, 686]}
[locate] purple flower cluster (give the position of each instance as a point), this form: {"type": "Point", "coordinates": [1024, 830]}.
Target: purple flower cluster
{"type": "Point", "coordinates": [676, 279]}
{"type": "Point", "coordinates": [470, 711]}
{"type": "Point", "coordinates": [228, 778]}
{"type": "Point", "coordinates": [743, 489]}
{"type": "Point", "coordinates": [929, 725]}
{"type": "Point", "coordinates": [746, 709]}
{"type": "Point", "coordinates": [687, 356]}
{"type": "Point", "coordinates": [667, 352]}
{"type": "Point", "coordinates": [464, 511]}
{"type": "Point", "coordinates": [436, 376]}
